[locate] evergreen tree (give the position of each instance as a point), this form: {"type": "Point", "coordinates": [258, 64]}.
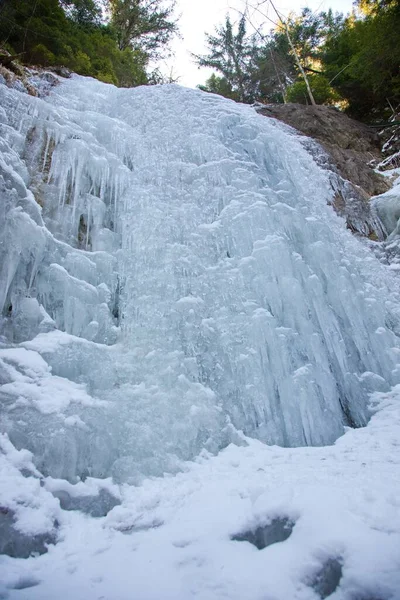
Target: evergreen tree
{"type": "Point", "coordinates": [267, 70]}
{"type": "Point", "coordinates": [363, 61]}
{"type": "Point", "coordinates": [220, 86]}
{"type": "Point", "coordinates": [233, 55]}
{"type": "Point", "coordinates": [308, 32]}
{"type": "Point", "coordinates": [148, 25]}
{"type": "Point", "coordinates": [72, 33]}
{"type": "Point", "coordinates": [84, 12]}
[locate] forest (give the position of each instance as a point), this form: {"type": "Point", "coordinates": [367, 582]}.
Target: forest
{"type": "Point", "coordinates": [350, 61]}
{"type": "Point", "coordinates": [111, 40]}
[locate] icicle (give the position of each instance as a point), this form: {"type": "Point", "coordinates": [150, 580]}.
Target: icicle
{"type": "Point", "coordinates": [239, 295]}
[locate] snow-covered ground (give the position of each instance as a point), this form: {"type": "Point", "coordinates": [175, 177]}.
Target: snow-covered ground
{"type": "Point", "coordinates": [177, 298]}
{"type": "Point", "coordinates": [171, 538]}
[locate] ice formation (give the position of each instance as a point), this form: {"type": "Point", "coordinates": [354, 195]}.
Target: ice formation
{"type": "Point", "coordinates": [387, 206]}
{"type": "Point", "coordinates": [173, 279]}
{"type": "Point", "coordinates": [197, 236]}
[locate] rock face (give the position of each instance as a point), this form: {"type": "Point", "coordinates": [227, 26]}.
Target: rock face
{"type": "Point", "coordinates": [35, 81]}
{"type": "Point", "coordinates": [18, 544]}
{"type": "Point", "coordinates": [353, 150]}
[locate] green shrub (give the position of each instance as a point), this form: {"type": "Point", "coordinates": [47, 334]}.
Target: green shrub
{"type": "Point", "coordinates": [41, 55]}
{"type": "Point", "coordinates": [323, 93]}
{"type": "Point", "coordinates": [50, 37]}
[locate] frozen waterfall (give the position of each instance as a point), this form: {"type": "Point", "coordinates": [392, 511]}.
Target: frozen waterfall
{"type": "Point", "coordinates": [173, 277]}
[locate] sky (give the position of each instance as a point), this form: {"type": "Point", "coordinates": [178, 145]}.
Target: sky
{"type": "Point", "coordinates": [199, 16]}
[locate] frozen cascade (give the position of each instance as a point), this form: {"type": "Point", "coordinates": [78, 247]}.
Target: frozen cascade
{"type": "Point", "coordinates": [172, 275]}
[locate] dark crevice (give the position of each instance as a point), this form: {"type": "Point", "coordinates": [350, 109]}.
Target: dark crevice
{"type": "Point", "coordinates": [97, 505]}
{"type": "Point", "coordinates": [349, 421]}
{"type": "Point", "coordinates": [278, 530]}
{"type": "Point", "coordinates": [327, 580]}
{"type": "Point", "coordinates": [17, 544]}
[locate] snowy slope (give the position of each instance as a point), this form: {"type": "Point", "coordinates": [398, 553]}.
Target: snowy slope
{"type": "Point", "coordinates": [173, 280]}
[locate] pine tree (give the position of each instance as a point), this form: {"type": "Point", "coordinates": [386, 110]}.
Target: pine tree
{"type": "Point", "coordinates": [72, 33]}
{"type": "Point", "coordinates": [220, 86]}
{"type": "Point", "coordinates": [232, 54]}
{"type": "Point", "coordinates": [362, 60]}
{"type": "Point", "coordinates": [147, 25]}
{"type": "Point", "coordinates": [84, 12]}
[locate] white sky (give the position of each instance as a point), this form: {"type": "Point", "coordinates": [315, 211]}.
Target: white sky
{"type": "Point", "coordinates": [198, 16]}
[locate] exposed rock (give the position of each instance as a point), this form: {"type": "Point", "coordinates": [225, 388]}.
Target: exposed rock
{"type": "Point", "coordinates": [61, 71]}
{"type": "Point", "coordinates": [97, 505]}
{"type": "Point", "coordinates": [11, 62]}
{"type": "Point", "coordinates": [36, 81]}
{"type": "Point", "coordinates": [327, 580]}
{"type": "Point", "coordinates": [17, 544]}
{"type": "Point", "coordinates": [277, 530]}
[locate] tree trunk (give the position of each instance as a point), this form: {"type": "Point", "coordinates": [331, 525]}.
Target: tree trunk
{"type": "Point", "coordinates": [310, 94]}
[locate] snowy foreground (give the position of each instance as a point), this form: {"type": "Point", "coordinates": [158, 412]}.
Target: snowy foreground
{"type": "Point", "coordinates": [199, 378]}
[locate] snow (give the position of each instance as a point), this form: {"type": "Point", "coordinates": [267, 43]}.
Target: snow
{"type": "Point", "coordinates": [171, 537]}
{"type": "Point", "coordinates": [33, 384]}
{"type": "Point", "coordinates": [192, 345]}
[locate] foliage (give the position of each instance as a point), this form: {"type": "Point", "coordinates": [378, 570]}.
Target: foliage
{"type": "Point", "coordinates": [323, 93]}
{"type": "Point", "coordinates": [364, 59]}
{"type": "Point", "coordinates": [268, 68]}
{"type": "Point", "coordinates": [72, 33]}
{"type": "Point", "coordinates": [369, 7]}
{"type": "Point", "coordinates": [232, 54]}
{"type": "Point", "coordinates": [219, 85]}
{"type": "Point", "coordinates": [355, 59]}
{"type": "Point", "coordinates": [144, 24]}
{"type": "Point", "coordinates": [84, 12]}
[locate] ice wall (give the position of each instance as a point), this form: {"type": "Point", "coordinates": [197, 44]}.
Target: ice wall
{"type": "Point", "coordinates": [172, 258]}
